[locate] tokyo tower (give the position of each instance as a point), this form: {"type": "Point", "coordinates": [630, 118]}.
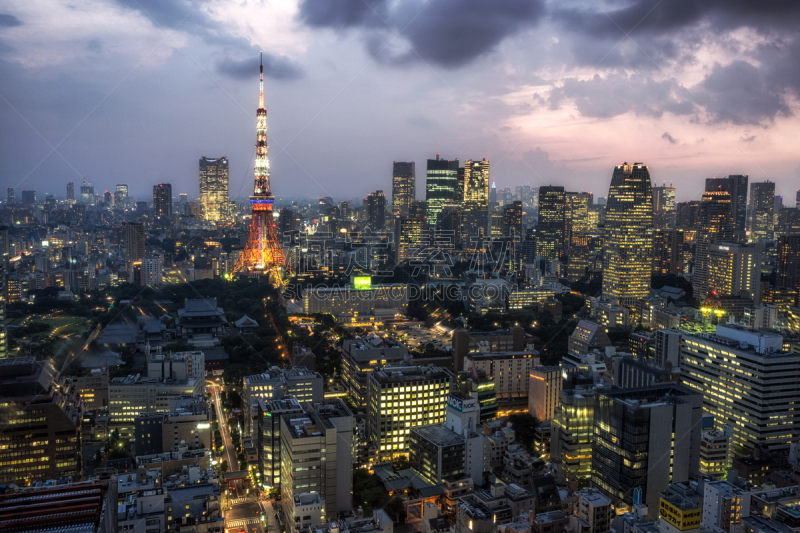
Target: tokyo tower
{"type": "Point", "coordinates": [263, 253]}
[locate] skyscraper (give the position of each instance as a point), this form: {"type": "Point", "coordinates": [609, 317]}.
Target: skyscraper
{"type": "Point", "coordinates": [375, 207]}
{"type": "Point", "coordinates": [576, 218]}
{"type": "Point", "coordinates": [451, 225]}
{"type": "Point", "coordinates": [121, 195]}
{"type": "Point", "coordinates": [3, 332]}
{"type": "Point", "coordinates": [734, 268]}
{"type": "Point", "coordinates": [87, 194]}
{"type": "Point", "coordinates": [476, 198]}
{"type": "Point", "coordinates": [440, 188]}
{"type": "Point", "coordinates": [550, 228]}
{"type": "Point", "coordinates": [628, 242]}
{"type": "Point", "coordinates": [512, 220]}
{"type": "Point", "coordinates": [162, 200]}
{"type": "Point", "coordinates": [134, 241]}
{"type": "Point", "coordinates": [645, 438]}
{"type": "Point", "coordinates": [788, 271]}
{"type": "Point", "coordinates": [408, 231]}
{"type": "Point", "coordinates": [29, 197]}
{"type": "Point", "coordinates": [668, 252]}
{"type": "Point", "coordinates": [70, 193]}
{"type": "Point", "coordinates": [736, 185]}
{"type": "Point", "coordinates": [10, 198]}
{"type": "Point", "coordinates": [663, 208]}
{"type": "Point", "coordinates": [762, 209]}
{"type": "Point", "coordinates": [214, 188]}
{"type": "Point", "coordinates": [716, 225]}
{"type": "Point", "coordinates": [404, 188]}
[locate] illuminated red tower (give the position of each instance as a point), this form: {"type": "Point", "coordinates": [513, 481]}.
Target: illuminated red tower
{"type": "Point", "coordinates": [263, 253]}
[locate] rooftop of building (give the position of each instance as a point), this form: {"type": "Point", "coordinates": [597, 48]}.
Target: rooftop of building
{"type": "Point", "coordinates": [308, 498]}
{"type": "Point", "coordinates": [143, 380]}
{"type": "Point", "coordinates": [297, 372]}
{"type": "Point", "coordinates": [283, 405]}
{"type": "Point", "coordinates": [315, 418]}
{"type": "Point", "coordinates": [643, 397]}
{"type": "Point", "coordinates": [503, 355]}
{"type": "Point", "coordinates": [272, 375]}
{"type": "Point", "coordinates": [439, 435]}
{"type": "Point", "coordinates": [399, 374]}
{"type": "Point", "coordinates": [373, 342]}
{"type": "Point", "coordinates": [545, 369]}
{"type": "Point", "coordinates": [181, 454]}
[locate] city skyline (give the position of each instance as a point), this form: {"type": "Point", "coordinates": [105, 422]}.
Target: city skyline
{"type": "Point", "coordinates": [706, 107]}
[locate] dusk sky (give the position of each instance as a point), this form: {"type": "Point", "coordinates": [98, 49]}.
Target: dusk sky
{"type": "Point", "coordinates": [136, 91]}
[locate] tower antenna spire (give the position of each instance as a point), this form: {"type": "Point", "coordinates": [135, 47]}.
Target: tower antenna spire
{"type": "Point", "coordinates": [261, 83]}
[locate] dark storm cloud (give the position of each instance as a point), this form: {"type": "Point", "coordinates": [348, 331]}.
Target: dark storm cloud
{"type": "Point", "coordinates": [275, 67]}
{"type": "Point", "coordinates": [646, 17]}
{"type": "Point", "coordinates": [448, 33]}
{"type": "Point", "coordinates": [669, 33]}
{"type": "Point", "coordinates": [9, 21]}
{"type": "Point", "coordinates": [738, 93]}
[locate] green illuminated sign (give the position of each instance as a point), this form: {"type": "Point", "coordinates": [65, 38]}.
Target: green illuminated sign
{"type": "Point", "coordinates": [362, 283]}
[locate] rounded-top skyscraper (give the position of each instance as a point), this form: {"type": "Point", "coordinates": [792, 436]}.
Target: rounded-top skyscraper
{"type": "Point", "coordinates": [628, 242]}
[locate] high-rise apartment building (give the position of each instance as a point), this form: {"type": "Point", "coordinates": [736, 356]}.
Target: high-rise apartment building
{"type": "Point", "coordinates": [214, 188]}
{"type": "Point", "coordinates": [645, 438]}
{"type": "Point", "coordinates": [551, 226]}
{"type": "Point", "coordinates": [668, 252]}
{"type": "Point", "coordinates": [628, 241]}
{"type": "Point", "coordinates": [664, 208]}
{"type": "Point", "coordinates": [476, 198]}
{"type": "Point", "coordinates": [404, 188]}
{"type": "Point", "coordinates": [270, 413]}
{"type": "Point", "coordinates": [734, 268]}
{"type": "Point", "coordinates": [10, 195]}
{"type": "Point", "coordinates": [440, 187]}
{"type": "Point", "coordinates": [134, 241]}
{"type": "Point", "coordinates": [572, 433]}
{"type": "Point", "coordinates": [152, 271]}
{"type": "Point", "coordinates": [788, 269]}
{"type": "Point", "coordinates": [544, 387]}
{"type": "Point", "coordinates": [716, 225]}
{"type": "Point", "coordinates": [317, 456]}
{"type": "Point", "coordinates": [375, 208]}
{"type": "Point", "coordinates": [736, 186]}
{"type": "Point", "coordinates": [512, 220]}
{"type": "Point", "coordinates": [70, 193]}
{"type": "Point", "coordinates": [401, 397]}
{"type": "Point", "coordinates": [762, 210]}
{"type": "Point", "coordinates": [29, 197]}
{"type": "Point", "coordinates": [162, 200]}
{"type": "Point", "coordinates": [747, 381]}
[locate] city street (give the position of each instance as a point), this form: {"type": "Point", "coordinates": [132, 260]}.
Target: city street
{"type": "Point", "coordinates": [243, 517]}
{"type": "Point", "coordinates": [229, 453]}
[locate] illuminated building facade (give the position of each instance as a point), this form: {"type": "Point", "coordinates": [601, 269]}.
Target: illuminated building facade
{"type": "Point", "coordinates": [121, 195]}
{"type": "Point", "coordinates": [409, 230]}
{"type": "Point", "coordinates": [402, 397]}
{"type": "Point", "coordinates": [362, 356]}
{"type": "Point", "coordinates": [734, 268]}
{"type": "Point", "coordinates": [572, 433]}
{"type": "Point", "coordinates": [748, 382]}
{"type": "Point", "coordinates": [70, 192]}
{"type": "Point", "coordinates": [440, 187]}
{"type": "Point", "coordinates": [628, 240]}
{"type": "Point", "coordinates": [269, 437]}
{"type": "Point", "coordinates": [476, 198]}
{"type": "Point", "coordinates": [762, 210]}
{"type": "Point", "coordinates": [576, 218]}
{"type": "Point", "coordinates": [162, 200]}
{"type": "Point", "coordinates": [3, 329]}
{"type": "Point", "coordinates": [716, 225]}
{"type": "Point", "coordinates": [736, 186]}
{"type": "Point", "coordinates": [214, 188]}
{"type": "Point", "coordinates": [664, 208]}
{"type": "Point", "coordinates": [545, 385]}
{"type": "Point", "coordinates": [551, 226]}
{"type": "Point", "coordinates": [404, 187]}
